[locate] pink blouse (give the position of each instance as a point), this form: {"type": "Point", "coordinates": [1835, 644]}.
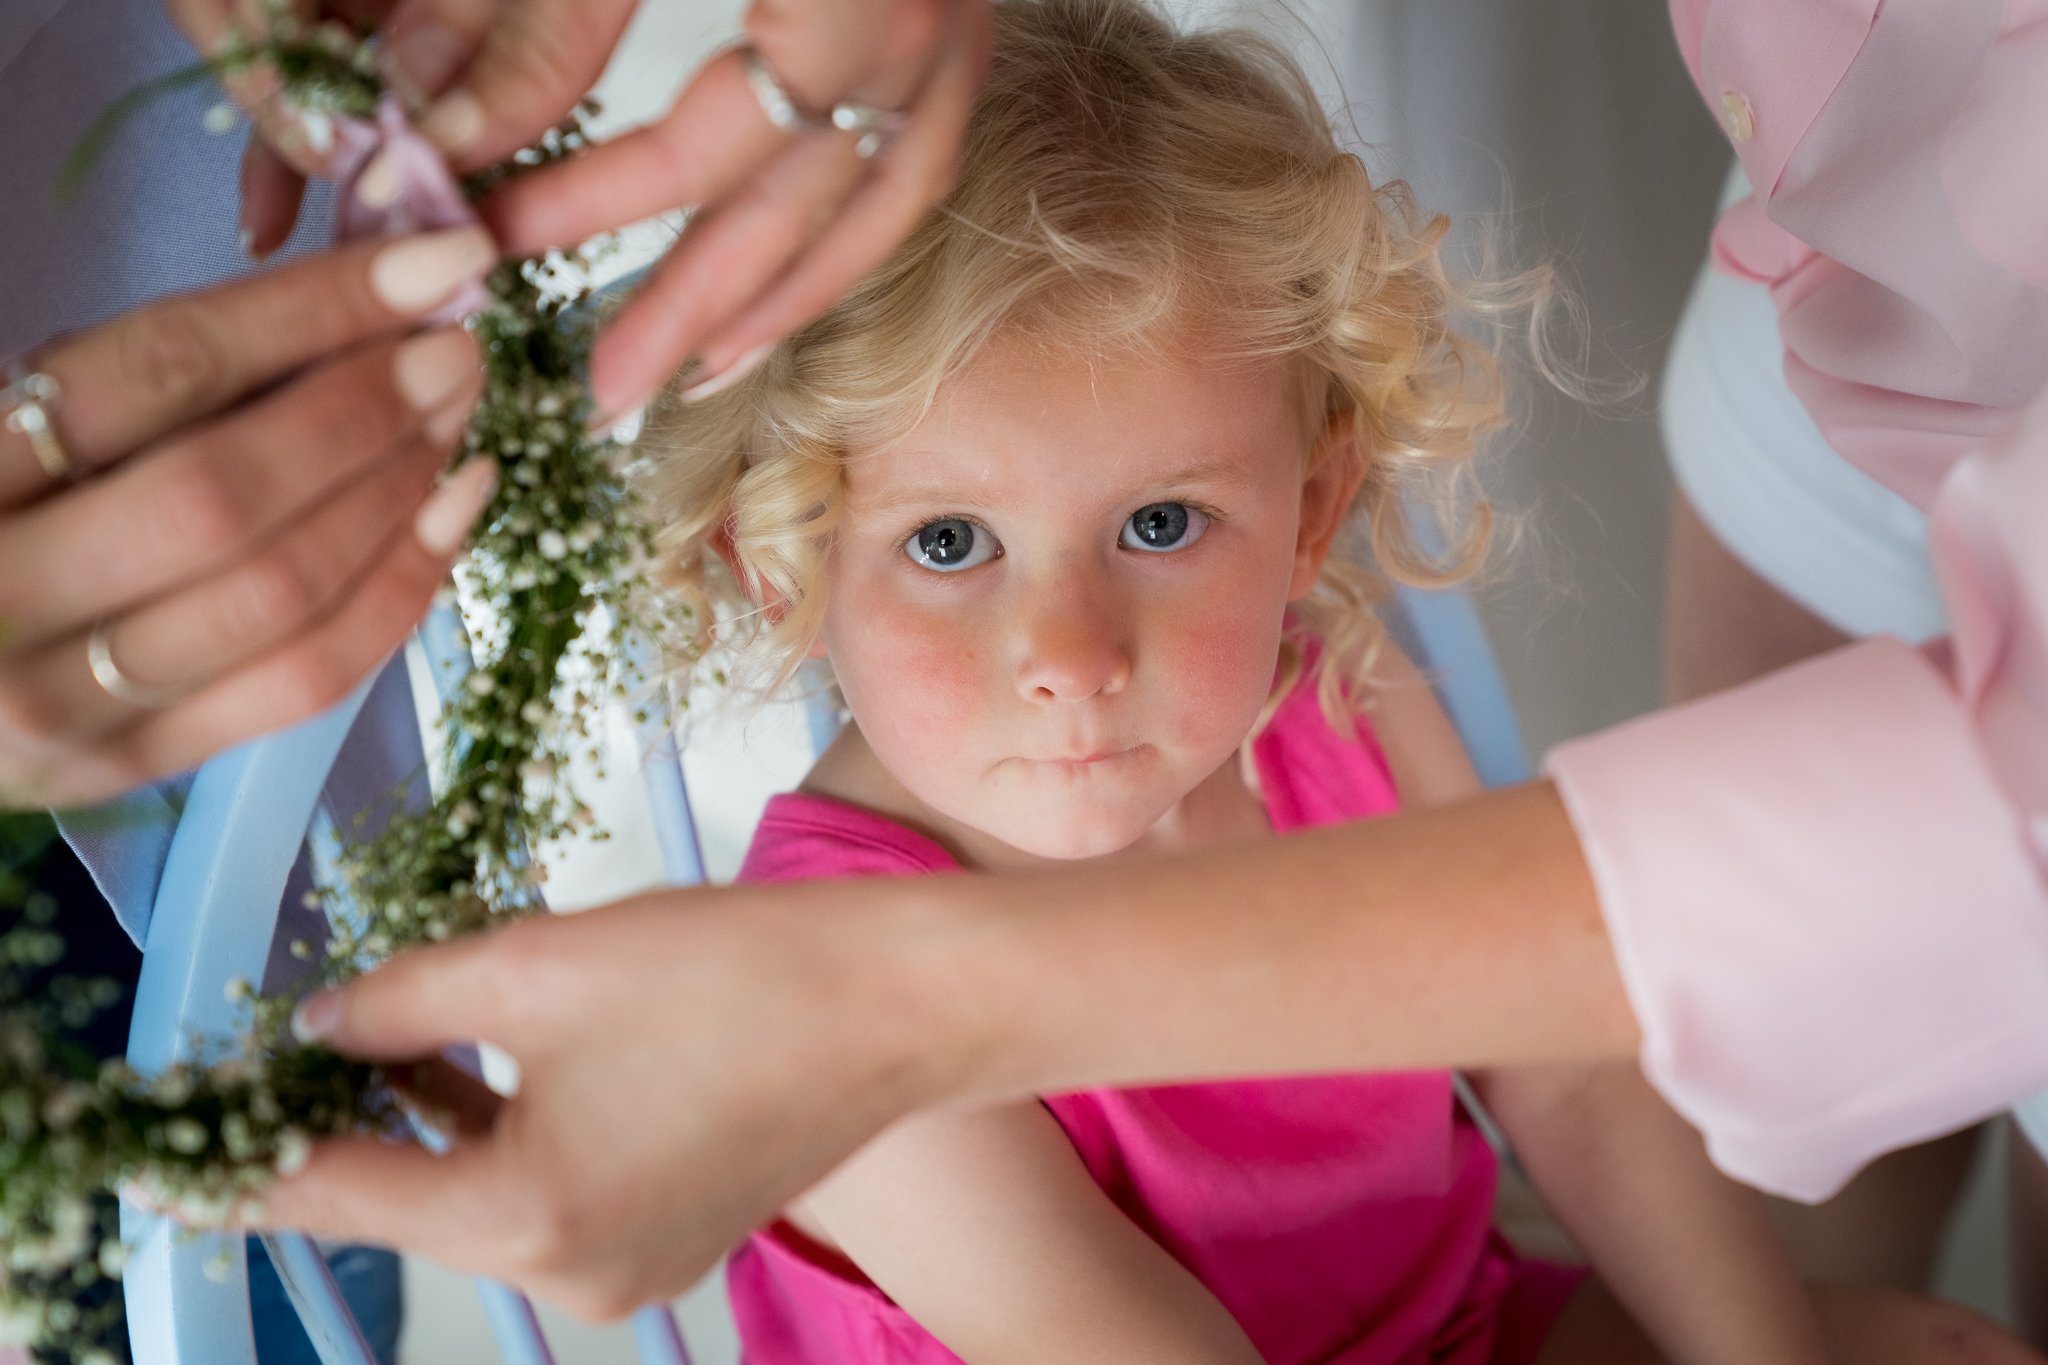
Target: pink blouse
{"type": "Point", "coordinates": [1826, 888]}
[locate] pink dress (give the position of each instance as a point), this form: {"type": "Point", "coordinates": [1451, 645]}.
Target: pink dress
{"type": "Point", "coordinates": [1339, 1219]}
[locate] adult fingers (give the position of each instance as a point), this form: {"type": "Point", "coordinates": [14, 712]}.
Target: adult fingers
{"type": "Point", "coordinates": [876, 51]}
{"type": "Point", "coordinates": [183, 358]}
{"type": "Point", "coordinates": [460, 1105]}
{"type": "Point", "coordinates": [725, 259]}
{"type": "Point", "coordinates": [485, 988]}
{"type": "Point", "coordinates": [173, 646]}
{"type": "Point", "coordinates": [272, 191]}
{"type": "Point", "coordinates": [443, 1207]}
{"type": "Point", "coordinates": [715, 135]}
{"type": "Point", "coordinates": [427, 43]}
{"type": "Point", "coordinates": [712, 139]}
{"type": "Point", "coordinates": [304, 676]}
{"type": "Point", "coordinates": [534, 59]}
{"type": "Point", "coordinates": [204, 500]}
{"type": "Point", "coordinates": [257, 88]}
{"type": "Point", "coordinates": [913, 175]}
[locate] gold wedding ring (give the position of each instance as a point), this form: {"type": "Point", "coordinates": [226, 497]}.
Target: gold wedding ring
{"type": "Point", "coordinates": [30, 401]}
{"type": "Point", "coordinates": [116, 684]}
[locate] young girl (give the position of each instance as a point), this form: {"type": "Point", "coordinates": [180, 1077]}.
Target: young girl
{"type": "Point", "coordinates": [1055, 491]}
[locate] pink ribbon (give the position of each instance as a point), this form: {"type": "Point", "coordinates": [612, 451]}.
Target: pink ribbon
{"type": "Point", "coordinates": [428, 196]}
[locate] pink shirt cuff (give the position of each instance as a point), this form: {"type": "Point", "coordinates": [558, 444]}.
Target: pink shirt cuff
{"type": "Point", "coordinates": [1827, 917]}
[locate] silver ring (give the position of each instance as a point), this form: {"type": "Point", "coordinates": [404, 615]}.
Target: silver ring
{"type": "Point", "coordinates": [116, 684]}
{"type": "Point", "coordinates": [774, 98]}
{"type": "Point", "coordinates": [31, 402]}
{"type": "Point", "coordinates": [872, 128]}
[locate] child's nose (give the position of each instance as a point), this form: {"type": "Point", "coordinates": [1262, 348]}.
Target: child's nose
{"type": "Point", "coordinates": [1074, 647]}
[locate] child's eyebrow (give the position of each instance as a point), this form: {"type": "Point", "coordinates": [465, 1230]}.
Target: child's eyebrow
{"type": "Point", "coordinates": [1221, 474]}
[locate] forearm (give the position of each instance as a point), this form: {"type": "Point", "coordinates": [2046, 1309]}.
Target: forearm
{"type": "Point", "coordinates": [1693, 1256]}
{"type": "Point", "coordinates": [1467, 935]}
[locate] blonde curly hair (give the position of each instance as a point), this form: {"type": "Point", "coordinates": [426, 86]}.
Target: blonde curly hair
{"type": "Point", "coordinates": [1120, 183]}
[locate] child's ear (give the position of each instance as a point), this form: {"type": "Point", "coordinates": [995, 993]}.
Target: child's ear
{"type": "Point", "coordinates": [1332, 480]}
{"type": "Point", "coordinates": [722, 545]}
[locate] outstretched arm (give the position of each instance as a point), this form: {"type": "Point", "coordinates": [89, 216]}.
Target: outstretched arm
{"type": "Point", "coordinates": [745, 1041]}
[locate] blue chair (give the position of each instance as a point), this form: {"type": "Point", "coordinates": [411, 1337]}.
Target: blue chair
{"type": "Point", "coordinates": [248, 815]}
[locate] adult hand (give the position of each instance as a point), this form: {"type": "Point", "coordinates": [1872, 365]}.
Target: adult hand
{"type": "Point", "coordinates": [691, 1061]}
{"type": "Point", "coordinates": [785, 221]}
{"type": "Point", "coordinates": [246, 528]}
{"type": "Point", "coordinates": [688, 1062]}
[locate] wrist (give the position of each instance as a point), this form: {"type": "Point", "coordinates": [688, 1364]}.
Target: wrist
{"type": "Point", "coordinates": [934, 1022]}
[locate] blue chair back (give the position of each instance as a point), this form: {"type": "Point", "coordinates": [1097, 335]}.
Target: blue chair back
{"type": "Point", "coordinates": [249, 814]}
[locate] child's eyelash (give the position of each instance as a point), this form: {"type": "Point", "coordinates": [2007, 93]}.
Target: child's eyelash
{"type": "Point", "coordinates": [903, 541]}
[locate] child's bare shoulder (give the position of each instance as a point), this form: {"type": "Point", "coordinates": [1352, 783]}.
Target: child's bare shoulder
{"type": "Point", "coordinates": [1423, 750]}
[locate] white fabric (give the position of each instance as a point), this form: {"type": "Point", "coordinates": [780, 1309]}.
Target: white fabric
{"type": "Point", "coordinates": [1768, 485]}
{"type": "Point", "coordinates": [2032, 1117]}
{"type": "Point", "coordinates": [1752, 462]}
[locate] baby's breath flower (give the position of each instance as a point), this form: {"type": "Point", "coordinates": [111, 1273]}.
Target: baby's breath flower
{"type": "Point", "coordinates": [551, 585]}
{"type": "Point", "coordinates": [185, 1135]}
{"type": "Point", "coordinates": [294, 1150]}
{"type": "Point", "coordinates": [172, 1087]}
{"type": "Point", "coordinates": [113, 1257]}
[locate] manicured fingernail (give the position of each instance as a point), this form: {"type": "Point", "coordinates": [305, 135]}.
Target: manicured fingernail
{"type": "Point", "coordinates": [317, 1016]}
{"type": "Point", "coordinates": [426, 56]}
{"type": "Point", "coordinates": [246, 240]}
{"type": "Point", "coordinates": [318, 128]}
{"type": "Point", "coordinates": [447, 422]}
{"type": "Point", "coordinates": [454, 123]}
{"type": "Point", "coordinates": [416, 273]}
{"type": "Point", "coordinates": [378, 186]}
{"type": "Point", "coordinates": [432, 366]}
{"type": "Point", "coordinates": [729, 376]}
{"type": "Point", "coordinates": [444, 521]}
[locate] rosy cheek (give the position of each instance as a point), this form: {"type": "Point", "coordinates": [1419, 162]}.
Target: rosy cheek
{"type": "Point", "coordinates": [1221, 663]}
{"type": "Point", "coordinates": [913, 677]}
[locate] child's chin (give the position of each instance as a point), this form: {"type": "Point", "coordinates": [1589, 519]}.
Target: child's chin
{"type": "Point", "coordinates": [1092, 839]}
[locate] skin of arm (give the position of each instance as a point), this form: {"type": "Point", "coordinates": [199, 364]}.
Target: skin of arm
{"type": "Point", "coordinates": [985, 1227]}
{"type": "Point", "coordinates": [1691, 1254]}
{"type": "Point", "coordinates": [1247, 965]}
{"type": "Point", "coordinates": [852, 1004]}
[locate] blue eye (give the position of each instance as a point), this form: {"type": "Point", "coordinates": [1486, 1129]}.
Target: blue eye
{"type": "Point", "coordinates": [950, 545]}
{"type": "Point", "coordinates": [1161, 526]}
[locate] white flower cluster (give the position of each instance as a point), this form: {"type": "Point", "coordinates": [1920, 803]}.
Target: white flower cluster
{"type": "Point", "coordinates": [552, 585]}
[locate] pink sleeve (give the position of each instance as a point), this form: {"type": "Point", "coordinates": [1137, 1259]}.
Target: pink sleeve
{"type": "Point", "coordinates": [1824, 888]}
